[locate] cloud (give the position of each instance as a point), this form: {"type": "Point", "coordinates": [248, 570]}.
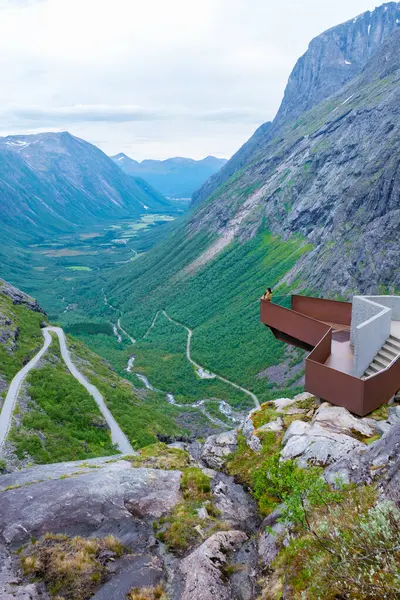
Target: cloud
{"type": "Point", "coordinates": [154, 78]}
{"type": "Point", "coordinates": [127, 113]}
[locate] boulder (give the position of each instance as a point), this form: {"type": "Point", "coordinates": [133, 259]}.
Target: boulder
{"type": "Point", "coordinates": [248, 426]}
{"type": "Point", "coordinates": [217, 448]}
{"type": "Point", "coordinates": [202, 570]}
{"type": "Point", "coordinates": [380, 427]}
{"type": "Point", "coordinates": [311, 443]}
{"type": "Point", "coordinates": [237, 508]}
{"type": "Point", "coordinates": [254, 443]}
{"type": "Point", "coordinates": [270, 541]}
{"type": "Point", "coordinates": [394, 415]}
{"type": "Point", "coordinates": [282, 403]}
{"type": "Point", "coordinates": [341, 420]}
{"type": "Point", "coordinates": [276, 425]}
{"type": "Point", "coordinates": [379, 462]}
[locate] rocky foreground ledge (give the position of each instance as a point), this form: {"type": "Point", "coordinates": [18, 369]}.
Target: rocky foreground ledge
{"type": "Point", "coordinates": [166, 525]}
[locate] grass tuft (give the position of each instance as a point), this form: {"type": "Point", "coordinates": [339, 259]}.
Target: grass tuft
{"type": "Point", "coordinates": [72, 568]}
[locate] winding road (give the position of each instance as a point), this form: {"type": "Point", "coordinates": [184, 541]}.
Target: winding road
{"type": "Point", "coordinates": [188, 348]}
{"type": "Point", "coordinates": [188, 356]}
{"type": "Point", "coordinates": [117, 435]}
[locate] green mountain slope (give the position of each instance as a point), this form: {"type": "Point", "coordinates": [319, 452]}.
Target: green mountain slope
{"type": "Point", "coordinates": [314, 209]}
{"type": "Point", "coordinates": [55, 182]}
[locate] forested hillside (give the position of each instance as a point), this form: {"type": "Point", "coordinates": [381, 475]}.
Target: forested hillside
{"type": "Point", "coordinates": [315, 209]}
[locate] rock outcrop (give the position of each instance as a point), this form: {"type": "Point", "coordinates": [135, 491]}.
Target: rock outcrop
{"type": "Point", "coordinates": [19, 297]}
{"type": "Point", "coordinates": [203, 569]}
{"type": "Point", "coordinates": [90, 498]}
{"type": "Point", "coordinates": [379, 462]}
{"type": "Point", "coordinates": [313, 444]}
{"type": "Point", "coordinates": [217, 448]}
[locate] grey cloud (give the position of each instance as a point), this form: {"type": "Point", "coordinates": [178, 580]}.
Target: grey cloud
{"type": "Point", "coordinates": [129, 113]}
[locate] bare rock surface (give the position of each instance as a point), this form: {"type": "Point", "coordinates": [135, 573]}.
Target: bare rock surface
{"type": "Point", "coordinates": [11, 585]}
{"type": "Point", "coordinates": [311, 443]}
{"type": "Point", "coordinates": [378, 462]}
{"type": "Point", "coordinates": [270, 540]}
{"type": "Point", "coordinates": [100, 502]}
{"type": "Point", "coordinates": [341, 420]}
{"type": "Point", "coordinates": [217, 448]}
{"type": "Point", "coordinates": [202, 569]}
{"type": "Point", "coordinates": [276, 425]}
{"type": "Point", "coordinates": [237, 507]}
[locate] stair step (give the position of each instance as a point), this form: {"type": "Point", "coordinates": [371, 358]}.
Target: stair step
{"type": "Point", "coordinates": [388, 353]}
{"type": "Point", "coordinates": [393, 344]}
{"type": "Point", "coordinates": [384, 362]}
{"type": "Point", "coordinates": [369, 372]}
{"type": "Point", "coordinates": [395, 337]}
{"type": "Point", "coordinates": [374, 367]}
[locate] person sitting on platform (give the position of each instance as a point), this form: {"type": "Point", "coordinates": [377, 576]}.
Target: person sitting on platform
{"type": "Point", "coordinates": [268, 295]}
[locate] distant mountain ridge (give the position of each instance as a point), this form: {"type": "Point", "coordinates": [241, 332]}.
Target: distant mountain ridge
{"type": "Point", "coordinates": [333, 58]}
{"type": "Point", "coordinates": [55, 181]}
{"type": "Point", "coordinates": [175, 177]}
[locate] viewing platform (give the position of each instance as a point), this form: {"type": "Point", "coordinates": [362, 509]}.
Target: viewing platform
{"type": "Point", "coordinates": [354, 347]}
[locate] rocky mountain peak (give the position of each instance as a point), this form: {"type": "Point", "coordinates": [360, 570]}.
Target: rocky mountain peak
{"type": "Point", "coordinates": [335, 57]}
{"type": "Point", "coordinates": [332, 60]}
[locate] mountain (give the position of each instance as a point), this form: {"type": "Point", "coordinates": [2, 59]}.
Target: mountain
{"type": "Point", "coordinates": [332, 59]}
{"type": "Point", "coordinates": [174, 177]}
{"type": "Point", "coordinates": [315, 208]}
{"type": "Point", "coordinates": [55, 181]}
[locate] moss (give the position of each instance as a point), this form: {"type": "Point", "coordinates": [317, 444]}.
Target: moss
{"type": "Point", "coordinates": [243, 463]}
{"type": "Point", "coordinates": [306, 404]}
{"type": "Point", "coordinates": [159, 456]}
{"type": "Point", "coordinates": [289, 419]}
{"type": "Point", "coordinates": [195, 485]}
{"type": "Point", "coordinates": [264, 415]}
{"type": "Point", "coordinates": [183, 528]}
{"type": "Point", "coordinates": [380, 414]}
{"type": "Point", "coordinates": [70, 567]}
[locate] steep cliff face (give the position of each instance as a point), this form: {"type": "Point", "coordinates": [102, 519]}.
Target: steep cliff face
{"type": "Point", "coordinates": [333, 177]}
{"type": "Point", "coordinates": [333, 59]}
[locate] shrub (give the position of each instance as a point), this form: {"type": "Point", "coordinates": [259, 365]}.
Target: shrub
{"type": "Point", "coordinates": [300, 490]}
{"type": "Point", "coordinates": [350, 551]}
{"type": "Point", "coordinates": [195, 485]}
{"type": "Point", "coordinates": [183, 527]}
{"type": "Point", "coordinates": [147, 593]}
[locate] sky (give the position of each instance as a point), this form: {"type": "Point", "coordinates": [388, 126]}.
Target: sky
{"type": "Point", "coordinates": [154, 78]}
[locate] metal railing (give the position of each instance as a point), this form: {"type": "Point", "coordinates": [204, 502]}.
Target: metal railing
{"type": "Point", "coordinates": [299, 324]}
